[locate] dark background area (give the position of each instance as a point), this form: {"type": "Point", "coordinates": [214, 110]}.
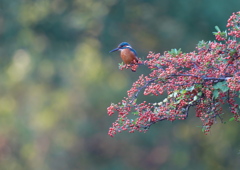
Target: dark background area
{"type": "Point", "coordinates": [57, 79]}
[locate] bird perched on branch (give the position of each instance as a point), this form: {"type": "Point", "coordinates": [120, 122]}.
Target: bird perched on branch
{"type": "Point", "coordinates": [127, 53]}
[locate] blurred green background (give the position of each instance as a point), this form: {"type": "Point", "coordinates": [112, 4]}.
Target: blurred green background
{"type": "Point", "coordinates": [57, 79]}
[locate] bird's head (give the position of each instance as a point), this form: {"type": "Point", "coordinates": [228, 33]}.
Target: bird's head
{"type": "Point", "coordinates": [121, 46]}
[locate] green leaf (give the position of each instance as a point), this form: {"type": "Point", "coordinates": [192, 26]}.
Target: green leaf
{"type": "Point", "coordinates": [198, 85]}
{"type": "Point", "coordinates": [183, 91]}
{"type": "Point", "coordinates": [190, 88]}
{"type": "Point", "coordinates": [135, 113]}
{"type": "Point", "coordinates": [215, 94]}
{"type": "Point", "coordinates": [195, 98]}
{"type": "Point", "coordinates": [222, 86]}
{"type": "Point", "coordinates": [216, 86]}
{"type": "Point", "coordinates": [217, 28]}
{"type": "Point", "coordinates": [231, 119]}
{"type": "Point", "coordinates": [165, 100]}
{"type": "Point", "coordinates": [203, 129]}
{"type": "Point", "coordinates": [135, 100]}
{"type": "Point", "coordinates": [177, 102]}
{"type": "Point", "coordinates": [232, 52]}
{"type": "Point", "coordinates": [175, 52]}
{"type": "Point", "coordinates": [175, 93]}
{"type": "Point", "coordinates": [202, 44]}
{"type": "Point", "coordinates": [133, 121]}
{"type": "Point", "coordinates": [120, 64]}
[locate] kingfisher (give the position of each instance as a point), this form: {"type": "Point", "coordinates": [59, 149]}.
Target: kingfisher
{"type": "Point", "coordinates": [127, 53]}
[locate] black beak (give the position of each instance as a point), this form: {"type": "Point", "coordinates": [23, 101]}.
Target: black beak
{"type": "Point", "coordinates": [116, 49]}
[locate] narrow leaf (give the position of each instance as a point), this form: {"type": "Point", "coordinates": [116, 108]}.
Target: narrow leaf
{"type": "Point", "coordinates": [217, 28]}
{"type": "Point", "coordinates": [215, 94]}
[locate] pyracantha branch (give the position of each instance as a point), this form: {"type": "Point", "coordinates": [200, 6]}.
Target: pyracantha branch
{"type": "Point", "coordinates": [204, 79]}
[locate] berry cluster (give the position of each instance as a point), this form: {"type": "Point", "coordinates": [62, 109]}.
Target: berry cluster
{"type": "Point", "coordinates": [205, 78]}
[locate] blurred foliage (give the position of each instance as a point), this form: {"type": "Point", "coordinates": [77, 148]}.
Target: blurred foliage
{"type": "Point", "coordinates": [57, 79]}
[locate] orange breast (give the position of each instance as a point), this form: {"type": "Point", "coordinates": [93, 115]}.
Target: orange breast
{"type": "Point", "coordinates": [128, 56]}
